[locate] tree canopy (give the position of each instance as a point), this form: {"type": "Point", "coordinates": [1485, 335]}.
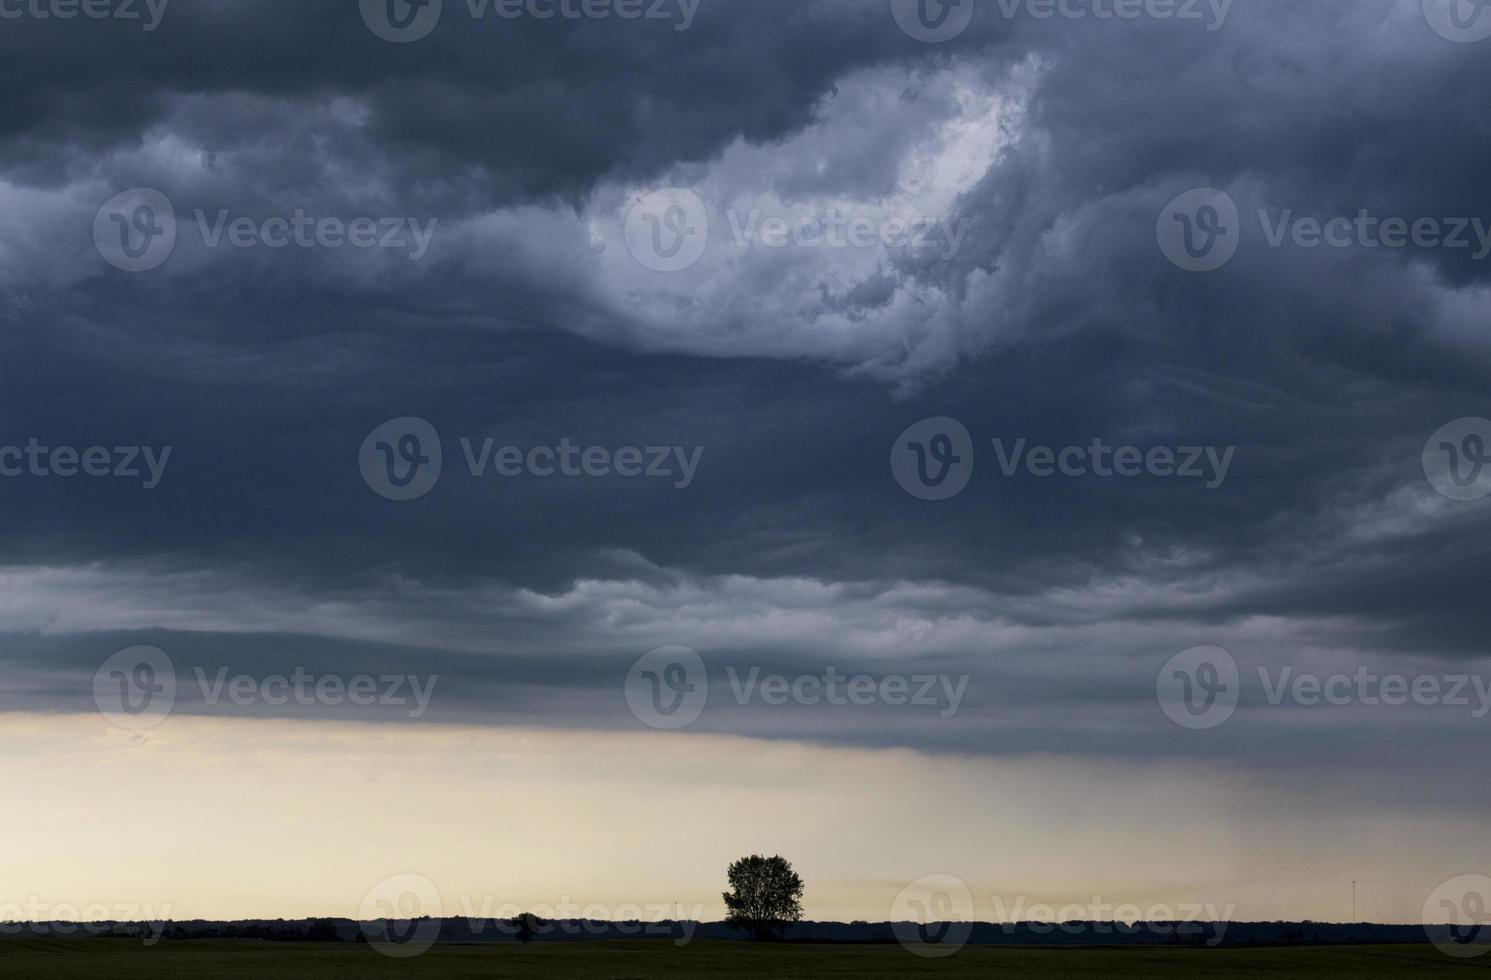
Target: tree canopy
{"type": "Point", "coordinates": [765, 895]}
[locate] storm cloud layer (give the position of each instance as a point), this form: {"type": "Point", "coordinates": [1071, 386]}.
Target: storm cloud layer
{"type": "Point", "coordinates": [893, 229]}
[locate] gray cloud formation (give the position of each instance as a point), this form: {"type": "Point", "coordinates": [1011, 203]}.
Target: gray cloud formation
{"type": "Point", "coordinates": [1057, 319]}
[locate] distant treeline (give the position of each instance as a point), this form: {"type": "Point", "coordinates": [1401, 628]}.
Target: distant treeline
{"type": "Point", "coordinates": [462, 930]}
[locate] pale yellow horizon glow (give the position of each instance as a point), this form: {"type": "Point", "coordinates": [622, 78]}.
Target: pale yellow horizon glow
{"type": "Point", "coordinates": [219, 819]}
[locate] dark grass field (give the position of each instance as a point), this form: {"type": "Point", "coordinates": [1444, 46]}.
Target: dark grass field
{"type": "Point", "coordinates": [202, 960]}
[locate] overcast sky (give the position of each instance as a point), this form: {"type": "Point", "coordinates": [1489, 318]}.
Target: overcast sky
{"type": "Point", "coordinates": [741, 250]}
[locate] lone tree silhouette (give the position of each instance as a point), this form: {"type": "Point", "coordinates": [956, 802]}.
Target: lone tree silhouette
{"type": "Point", "coordinates": [765, 895]}
{"type": "Point", "coordinates": [523, 927]}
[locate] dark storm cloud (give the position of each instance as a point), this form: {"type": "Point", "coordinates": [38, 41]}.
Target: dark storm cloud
{"type": "Point", "coordinates": [483, 109]}
{"type": "Point", "coordinates": [1057, 320]}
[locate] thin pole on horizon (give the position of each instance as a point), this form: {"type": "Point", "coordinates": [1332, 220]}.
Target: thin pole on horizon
{"type": "Point", "coordinates": [1353, 901]}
